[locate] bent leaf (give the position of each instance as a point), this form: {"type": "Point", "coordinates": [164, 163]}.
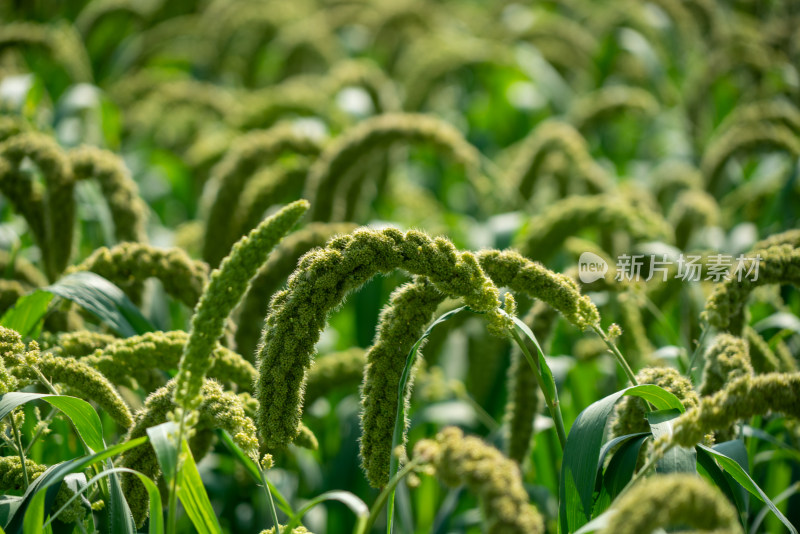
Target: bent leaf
{"type": "Point", "coordinates": [104, 300]}
{"type": "Point", "coordinates": [582, 452]}
{"type": "Point", "coordinates": [733, 468]}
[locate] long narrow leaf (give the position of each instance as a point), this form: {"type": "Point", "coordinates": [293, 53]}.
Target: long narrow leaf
{"type": "Point", "coordinates": [84, 418]}
{"type": "Point", "coordinates": [193, 495]}
{"type": "Point", "coordinates": [729, 487]}
{"type": "Point", "coordinates": [399, 421]}
{"type": "Point", "coordinates": [51, 479]}
{"type": "Point", "coordinates": [356, 505]}
{"type": "Point", "coordinates": [190, 489]}
{"type": "Point", "coordinates": [732, 467]}
{"type": "Point", "coordinates": [34, 517]}
{"type": "Point", "coordinates": [582, 452]}
{"type": "Point", "coordinates": [619, 471]}
{"type": "Point", "coordinates": [156, 517]}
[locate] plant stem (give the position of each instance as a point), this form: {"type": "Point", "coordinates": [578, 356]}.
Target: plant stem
{"type": "Point", "coordinates": [20, 450]}
{"type": "Point", "coordinates": [270, 502]}
{"type": "Point", "coordinates": [552, 403]}
{"type": "Point", "coordinates": [384, 495]}
{"type": "Point", "coordinates": [41, 429]}
{"type": "Point", "coordinates": [43, 379]}
{"type": "Point", "coordinates": [617, 354]}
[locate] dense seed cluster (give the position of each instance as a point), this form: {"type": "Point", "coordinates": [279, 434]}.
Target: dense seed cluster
{"type": "Point", "coordinates": [146, 358]}
{"type": "Point", "coordinates": [322, 281]}
{"type": "Point", "coordinates": [523, 388]}
{"type": "Point", "coordinates": [727, 358]}
{"type": "Point", "coordinates": [726, 307]}
{"type": "Point", "coordinates": [218, 409]}
{"type": "Point", "coordinates": [225, 289]}
{"type": "Point", "coordinates": [605, 213]}
{"type": "Point", "coordinates": [467, 460]}
{"type": "Point", "coordinates": [742, 398]}
{"type": "Point", "coordinates": [402, 322]}
{"type": "Point", "coordinates": [274, 273]}
{"type": "Point", "coordinates": [129, 264]}
{"type": "Point", "coordinates": [666, 500]}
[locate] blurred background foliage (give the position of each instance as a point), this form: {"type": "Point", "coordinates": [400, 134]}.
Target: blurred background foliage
{"type": "Point", "coordinates": [680, 111]}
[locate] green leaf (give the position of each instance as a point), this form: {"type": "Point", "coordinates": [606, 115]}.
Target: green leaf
{"type": "Point", "coordinates": [193, 495]}
{"type": "Point", "coordinates": [118, 512]}
{"type": "Point", "coordinates": [543, 368]}
{"type": "Point", "coordinates": [190, 489]}
{"type": "Point", "coordinates": [84, 418]}
{"type": "Point", "coordinates": [598, 523]}
{"type": "Point", "coordinates": [34, 517]}
{"type": "Point", "coordinates": [733, 468]}
{"type": "Point", "coordinates": [154, 496]}
{"type": "Point", "coordinates": [399, 421]}
{"type": "Point", "coordinates": [27, 315]}
{"type": "Point", "coordinates": [8, 505]}
{"type": "Point", "coordinates": [163, 438]}
{"type": "Point", "coordinates": [104, 300]}
{"type": "Point", "coordinates": [677, 459]}
{"type": "Point", "coordinates": [723, 481]}
{"type": "Point", "coordinates": [582, 452]}
{"type": "Point", "coordinates": [251, 467]}
{"type": "Point", "coordinates": [51, 479]}
{"type": "Point", "coordinates": [620, 470]}
{"type": "Point", "coordinates": [358, 507]}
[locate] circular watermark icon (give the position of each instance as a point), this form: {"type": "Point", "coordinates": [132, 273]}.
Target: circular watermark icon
{"type": "Point", "coordinates": [591, 267]}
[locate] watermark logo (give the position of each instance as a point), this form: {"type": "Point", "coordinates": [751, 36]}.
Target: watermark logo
{"type": "Point", "coordinates": [685, 267]}
{"type": "Point", "coordinates": [591, 267]}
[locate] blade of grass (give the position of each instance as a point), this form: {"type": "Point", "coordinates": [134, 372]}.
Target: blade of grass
{"type": "Point", "coordinates": [732, 467]}
{"type": "Point", "coordinates": [399, 422]}
{"type": "Point", "coordinates": [154, 496]}
{"type": "Point", "coordinates": [51, 479]}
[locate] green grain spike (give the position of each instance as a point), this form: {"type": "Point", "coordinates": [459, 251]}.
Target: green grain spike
{"type": "Point", "coordinates": [136, 357]}
{"type": "Point", "coordinates": [523, 388]}
{"type": "Point", "coordinates": [128, 265]}
{"type": "Point", "coordinates": [676, 499]}
{"type": "Point", "coordinates": [726, 359]}
{"type": "Point", "coordinates": [467, 460]}
{"type": "Point", "coordinates": [725, 309]}
{"type": "Point", "coordinates": [49, 212]}
{"type": "Point", "coordinates": [606, 212]}
{"type": "Point", "coordinates": [549, 137]}
{"type": "Point", "coordinates": [128, 210]}
{"type": "Point", "coordinates": [218, 409]}
{"type": "Point", "coordinates": [274, 273]}
{"type": "Point", "coordinates": [402, 322]}
{"type": "Point", "coordinates": [81, 379]}
{"type": "Point", "coordinates": [225, 289]}
{"type": "Point", "coordinates": [509, 269]}
{"type": "Point", "coordinates": [321, 282]}
{"type": "Point", "coordinates": [230, 176]}
{"type": "Point", "coordinates": [741, 399]}
{"type": "Point", "coordinates": [327, 177]}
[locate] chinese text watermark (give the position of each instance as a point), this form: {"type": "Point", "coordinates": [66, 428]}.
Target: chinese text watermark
{"type": "Point", "coordinates": [686, 267]}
